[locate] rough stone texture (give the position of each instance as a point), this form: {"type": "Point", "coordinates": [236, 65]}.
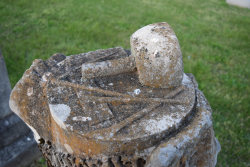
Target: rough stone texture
{"type": "Point", "coordinates": [17, 145]}
{"type": "Point", "coordinates": [158, 56]}
{"type": "Point", "coordinates": [240, 3]}
{"type": "Point", "coordinates": [112, 119]}
{"type": "Point", "coordinates": [194, 145]}
{"type": "Point", "coordinates": [122, 64]}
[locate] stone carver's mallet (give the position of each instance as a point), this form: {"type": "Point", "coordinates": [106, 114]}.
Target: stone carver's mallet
{"type": "Point", "coordinates": [155, 53]}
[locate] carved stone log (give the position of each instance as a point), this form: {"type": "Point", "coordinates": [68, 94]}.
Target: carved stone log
{"type": "Point", "coordinates": [113, 119]}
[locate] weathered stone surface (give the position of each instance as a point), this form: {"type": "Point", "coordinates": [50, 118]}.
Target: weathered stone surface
{"type": "Point", "coordinates": [82, 115]}
{"type": "Point", "coordinates": [158, 56]}
{"type": "Point", "coordinates": [17, 145]}
{"type": "Point", "coordinates": [194, 145]}
{"type": "Point", "coordinates": [121, 64]}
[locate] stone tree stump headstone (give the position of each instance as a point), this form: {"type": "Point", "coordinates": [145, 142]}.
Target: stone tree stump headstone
{"type": "Point", "coordinates": [116, 108]}
{"type": "Point", "coordinates": [17, 145]}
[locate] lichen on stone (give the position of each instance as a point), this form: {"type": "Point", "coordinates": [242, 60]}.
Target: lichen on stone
{"type": "Point", "coordinates": [115, 108]}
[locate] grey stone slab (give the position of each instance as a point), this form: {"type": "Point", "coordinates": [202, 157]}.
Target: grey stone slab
{"type": "Point", "coordinates": [13, 133]}
{"type": "Point", "coordinates": [5, 89]}
{"type": "Point", "coordinates": [17, 145]}
{"type": "Point", "coordinates": [240, 3]}
{"type": "Point", "coordinates": [8, 122]}
{"type": "Point", "coordinates": [20, 153]}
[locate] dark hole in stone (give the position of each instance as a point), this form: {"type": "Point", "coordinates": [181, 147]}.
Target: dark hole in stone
{"type": "Point", "coordinates": [99, 162]}
{"type": "Point", "coordinates": [41, 141]}
{"type": "Point", "coordinates": [49, 143]}
{"type": "Point", "coordinates": [127, 164]}
{"type": "Point", "coordinates": [110, 163]}
{"type": "Point", "coordinates": [182, 162]}
{"type": "Point", "coordinates": [120, 161]}
{"type": "Point", "coordinates": [140, 162]}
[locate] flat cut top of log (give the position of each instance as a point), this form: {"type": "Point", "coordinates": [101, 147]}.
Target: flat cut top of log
{"type": "Point", "coordinates": [101, 115]}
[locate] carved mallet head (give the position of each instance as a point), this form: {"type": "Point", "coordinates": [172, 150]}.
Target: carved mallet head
{"type": "Point", "coordinates": [158, 56]}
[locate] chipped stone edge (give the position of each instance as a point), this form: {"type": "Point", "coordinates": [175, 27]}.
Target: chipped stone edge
{"type": "Point", "coordinates": [167, 152]}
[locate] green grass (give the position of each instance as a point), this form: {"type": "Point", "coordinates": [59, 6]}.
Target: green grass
{"type": "Point", "coordinates": [40, 162]}
{"type": "Point", "coordinates": [214, 37]}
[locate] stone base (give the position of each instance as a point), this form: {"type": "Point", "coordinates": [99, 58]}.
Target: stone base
{"type": "Point", "coordinates": [56, 158]}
